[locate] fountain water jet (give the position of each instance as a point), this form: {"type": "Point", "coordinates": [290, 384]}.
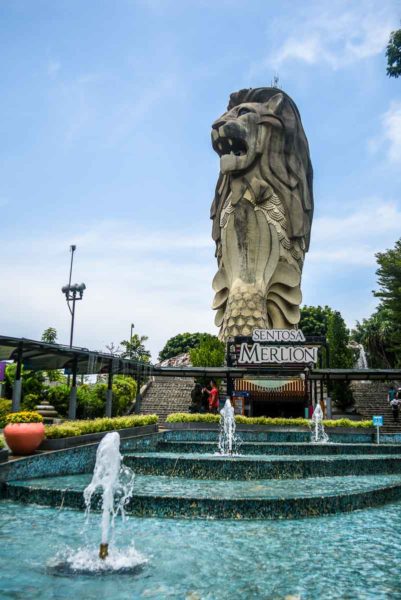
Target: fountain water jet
{"type": "Point", "coordinates": [319, 436]}
{"type": "Point", "coordinates": [116, 483]}
{"type": "Point", "coordinates": [228, 439]}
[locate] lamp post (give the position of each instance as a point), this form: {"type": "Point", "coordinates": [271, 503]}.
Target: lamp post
{"type": "Point", "coordinates": [73, 293]}
{"type": "Point", "coordinates": [130, 340]}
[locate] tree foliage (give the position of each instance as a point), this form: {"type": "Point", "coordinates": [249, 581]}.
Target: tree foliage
{"type": "Point", "coordinates": [135, 348]}
{"type": "Point", "coordinates": [315, 320]}
{"type": "Point", "coordinates": [341, 357]}
{"type": "Point", "coordinates": [393, 54]}
{"type": "Point", "coordinates": [49, 335]}
{"type": "Point", "coordinates": [209, 353]}
{"type": "Point", "coordinates": [389, 280]}
{"type": "Point", "coordinates": [32, 382]}
{"type": "Point", "coordinates": [181, 343]}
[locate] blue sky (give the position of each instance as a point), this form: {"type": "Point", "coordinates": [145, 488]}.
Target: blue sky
{"type": "Point", "coordinates": [107, 108]}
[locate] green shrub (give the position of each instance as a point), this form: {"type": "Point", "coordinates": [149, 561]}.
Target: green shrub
{"type": "Point", "coordinates": [30, 401]}
{"type": "Point", "coordinates": [25, 416]}
{"type": "Point", "coordinates": [2, 444]}
{"type": "Point", "coordinates": [73, 428]}
{"type": "Point", "coordinates": [209, 418]}
{"type": "Point", "coordinates": [58, 396]}
{"type": "Point", "coordinates": [5, 408]}
{"type": "Point", "coordinates": [347, 423]}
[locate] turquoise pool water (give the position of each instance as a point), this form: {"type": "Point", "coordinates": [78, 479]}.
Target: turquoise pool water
{"type": "Point", "coordinates": [346, 556]}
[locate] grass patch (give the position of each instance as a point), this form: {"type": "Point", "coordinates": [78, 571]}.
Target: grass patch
{"type": "Point", "coordinates": [74, 428]}
{"type": "Point", "coordinates": [209, 418]}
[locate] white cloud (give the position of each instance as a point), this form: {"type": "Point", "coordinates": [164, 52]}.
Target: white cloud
{"type": "Point", "coordinates": [354, 239]}
{"type": "Point", "coordinates": [336, 33]}
{"type": "Point", "coordinates": [390, 137]}
{"type": "Point", "coordinates": [160, 281]}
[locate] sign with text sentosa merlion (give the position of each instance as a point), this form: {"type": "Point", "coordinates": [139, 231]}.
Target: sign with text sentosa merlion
{"type": "Point", "coordinates": [269, 347]}
{"type": "Point", "coordinates": [262, 212]}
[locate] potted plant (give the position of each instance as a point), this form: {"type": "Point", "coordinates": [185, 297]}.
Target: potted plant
{"type": "Point", "coordinates": [24, 432]}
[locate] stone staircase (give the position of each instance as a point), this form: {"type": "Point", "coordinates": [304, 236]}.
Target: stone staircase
{"type": "Point", "coordinates": [166, 395]}
{"type": "Point", "coordinates": [371, 399]}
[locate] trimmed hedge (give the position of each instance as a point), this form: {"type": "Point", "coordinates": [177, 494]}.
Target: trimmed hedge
{"type": "Point", "coordinates": [209, 418]}
{"type": "Point", "coordinates": [74, 428]}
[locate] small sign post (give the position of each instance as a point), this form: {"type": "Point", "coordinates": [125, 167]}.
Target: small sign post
{"type": "Point", "coordinates": [378, 422]}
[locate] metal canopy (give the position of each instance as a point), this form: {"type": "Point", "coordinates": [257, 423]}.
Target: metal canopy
{"type": "Point", "coordinates": [355, 374]}
{"type": "Point", "coordinates": [41, 356]}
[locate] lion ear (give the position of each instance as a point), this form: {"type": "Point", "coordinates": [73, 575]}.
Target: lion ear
{"type": "Point", "coordinates": [274, 104]}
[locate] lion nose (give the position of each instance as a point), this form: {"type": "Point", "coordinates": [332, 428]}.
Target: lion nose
{"type": "Point", "coordinates": [217, 124]}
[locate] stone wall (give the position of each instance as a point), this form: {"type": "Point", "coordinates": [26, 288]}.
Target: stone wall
{"type": "Point", "coordinates": [371, 399]}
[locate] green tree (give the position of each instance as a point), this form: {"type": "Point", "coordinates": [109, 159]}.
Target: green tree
{"type": "Point", "coordinates": [32, 381]}
{"type": "Point", "coordinates": [374, 334]}
{"type": "Point", "coordinates": [49, 335]}
{"type": "Point", "coordinates": [341, 357]}
{"type": "Point", "coordinates": [315, 320]}
{"type": "Point", "coordinates": [181, 343]}
{"type": "Point", "coordinates": [124, 394]}
{"type": "Point", "coordinates": [389, 280]}
{"type": "Point", "coordinates": [209, 353]}
{"type": "Point", "coordinates": [135, 348]}
{"type": "Point", "coordinates": [393, 54]}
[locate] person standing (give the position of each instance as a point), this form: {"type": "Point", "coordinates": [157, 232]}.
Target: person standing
{"type": "Point", "coordinates": [392, 393]}
{"type": "Point", "coordinates": [213, 397]}
{"type": "Point", "coordinates": [395, 408]}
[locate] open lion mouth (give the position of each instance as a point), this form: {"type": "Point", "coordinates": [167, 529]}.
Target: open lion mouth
{"type": "Point", "coordinates": [226, 145]}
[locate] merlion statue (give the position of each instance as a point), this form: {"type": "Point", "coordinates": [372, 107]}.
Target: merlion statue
{"type": "Point", "coordinates": [262, 212]}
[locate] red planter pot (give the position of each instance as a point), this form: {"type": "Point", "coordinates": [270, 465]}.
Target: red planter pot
{"type": "Point", "coordinates": [24, 438]}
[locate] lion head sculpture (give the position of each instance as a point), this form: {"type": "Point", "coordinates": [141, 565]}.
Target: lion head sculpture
{"type": "Point", "coordinates": [262, 212]}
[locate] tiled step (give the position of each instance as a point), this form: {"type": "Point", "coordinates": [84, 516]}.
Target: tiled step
{"type": "Point", "coordinates": [260, 499]}
{"type": "Point", "coordinates": [280, 448]}
{"type": "Point", "coordinates": [200, 466]}
{"type": "Point", "coordinates": [273, 435]}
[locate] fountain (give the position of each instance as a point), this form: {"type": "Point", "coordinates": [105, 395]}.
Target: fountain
{"type": "Point", "coordinates": [319, 436]}
{"type": "Point", "coordinates": [115, 481]}
{"type": "Point", "coordinates": [362, 361]}
{"type": "Point", "coordinates": [228, 439]}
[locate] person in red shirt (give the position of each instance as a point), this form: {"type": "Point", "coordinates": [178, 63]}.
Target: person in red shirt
{"type": "Point", "coordinates": [213, 397]}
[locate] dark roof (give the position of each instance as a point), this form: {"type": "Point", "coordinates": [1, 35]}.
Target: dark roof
{"type": "Point", "coordinates": [41, 356]}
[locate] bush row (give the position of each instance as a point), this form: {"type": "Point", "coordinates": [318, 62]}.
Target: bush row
{"type": "Point", "coordinates": [209, 418]}
{"type": "Point", "coordinates": [73, 428]}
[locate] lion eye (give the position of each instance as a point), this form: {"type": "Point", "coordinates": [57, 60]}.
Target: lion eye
{"type": "Point", "coordinates": [243, 111]}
